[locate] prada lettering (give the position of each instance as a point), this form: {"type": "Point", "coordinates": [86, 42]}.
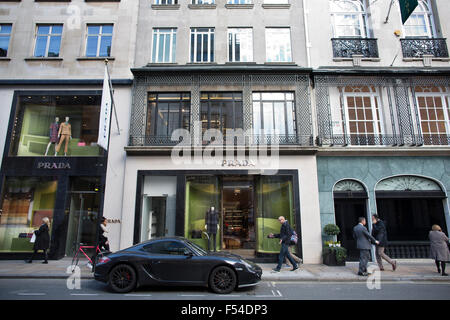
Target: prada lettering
{"type": "Point", "coordinates": [53, 165]}
{"type": "Point", "coordinates": [238, 163]}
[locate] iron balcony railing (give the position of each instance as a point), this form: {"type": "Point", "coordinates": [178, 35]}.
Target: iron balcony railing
{"type": "Point", "coordinates": [348, 47]}
{"type": "Point", "coordinates": [249, 140]}
{"type": "Point", "coordinates": [384, 140]}
{"type": "Point", "coordinates": [417, 47]}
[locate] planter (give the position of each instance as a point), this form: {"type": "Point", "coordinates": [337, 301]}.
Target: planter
{"type": "Point", "coordinates": [329, 258]}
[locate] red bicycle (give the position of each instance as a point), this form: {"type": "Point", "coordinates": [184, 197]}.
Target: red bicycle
{"type": "Point", "coordinates": [76, 256]}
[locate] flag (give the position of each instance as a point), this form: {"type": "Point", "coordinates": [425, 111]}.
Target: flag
{"type": "Point", "coordinates": [406, 8]}
{"type": "Point", "coordinates": [105, 113]}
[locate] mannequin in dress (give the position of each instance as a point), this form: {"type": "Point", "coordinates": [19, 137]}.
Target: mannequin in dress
{"type": "Point", "coordinates": [53, 134]}
{"type": "Point", "coordinates": [212, 226]}
{"type": "Point", "coordinates": [64, 134]}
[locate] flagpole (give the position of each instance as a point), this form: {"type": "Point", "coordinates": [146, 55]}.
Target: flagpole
{"type": "Point", "coordinates": [389, 12]}
{"type": "Point", "coordinates": [112, 97]}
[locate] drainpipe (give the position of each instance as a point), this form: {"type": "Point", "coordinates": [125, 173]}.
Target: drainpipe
{"type": "Point", "coordinates": [305, 22]}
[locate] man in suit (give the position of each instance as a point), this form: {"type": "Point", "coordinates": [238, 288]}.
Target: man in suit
{"type": "Point", "coordinates": [285, 240]}
{"type": "Point", "coordinates": [363, 242]}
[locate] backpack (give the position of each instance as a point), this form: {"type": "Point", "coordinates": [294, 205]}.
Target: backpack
{"type": "Point", "coordinates": [294, 238]}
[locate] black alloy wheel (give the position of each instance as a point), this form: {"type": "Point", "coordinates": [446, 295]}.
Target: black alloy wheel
{"type": "Point", "coordinates": [122, 278]}
{"type": "Point", "coordinates": [222, 280]}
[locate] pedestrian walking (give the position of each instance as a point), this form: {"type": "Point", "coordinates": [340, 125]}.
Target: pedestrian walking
{"type": "Point", "coordinates": [103, 242]}
{"type": "Point", "coordinates": [42, 241]}
{"type": "Point", "coordinates": [363, 244]}
{"type": "Point", "coordinates": [285, 239]}
{"type": "Point", "coordinates": [379, 232]}
{"type": "Point", "coordinates": [439, 250]}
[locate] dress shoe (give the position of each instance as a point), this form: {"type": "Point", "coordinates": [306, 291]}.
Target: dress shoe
{"type": "Point", "coordinates": [45, 262]}
{"type": "Point", "coordinates": [29, 261]}
{"type": "Point", "coordinates": [294, 268]}
{"type": "Point", "coordinates": [444, 274]}
{"type": "Point", "coordinates": [394, 266]}
{"type": "Point", "coordinates": [364, 274]}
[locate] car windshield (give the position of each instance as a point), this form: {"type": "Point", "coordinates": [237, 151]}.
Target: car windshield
{"type": "Point", "coordinates": [197, 249]}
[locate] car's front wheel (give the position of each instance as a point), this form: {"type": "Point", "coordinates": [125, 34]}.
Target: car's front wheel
{"type": "Point", "coordinates": [122, 278]}
{"type": "Point", "coordinates": [222, 280]}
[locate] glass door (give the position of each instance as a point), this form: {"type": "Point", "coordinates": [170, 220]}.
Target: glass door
{"type": "Point", "coordinates": [83, 213]}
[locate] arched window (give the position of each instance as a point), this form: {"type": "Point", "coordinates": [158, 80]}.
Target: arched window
{"type": "Point", "coordinates": [420, 23]}
{"type": "Point", "coordinates": [348, 18]}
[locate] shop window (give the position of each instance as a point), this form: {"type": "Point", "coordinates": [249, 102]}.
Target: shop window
{"type": "Point", "coordinates": [24, 203]}
{"type": "Point", "coordinates": [221, 111]}
{"type": "Point", "coordinates": [274, 198]}
{"type": "Point", "coordinates": [202, 193]}
{"type": "Point", "coordinates": [56, 125]}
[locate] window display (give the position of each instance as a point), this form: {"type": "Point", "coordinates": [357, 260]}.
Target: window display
{"type": "Point", "coordinates": [24, 202]}
{"type": "Point", "coordinates": [38, 130]}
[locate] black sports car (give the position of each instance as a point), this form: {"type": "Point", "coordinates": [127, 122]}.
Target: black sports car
{"type": "Point", "coordinates": [175, 261]}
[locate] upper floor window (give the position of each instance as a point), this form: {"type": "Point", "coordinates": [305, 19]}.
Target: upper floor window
{"type": "Point", "coordinates": [348, 18]}
{"type": "Point", "coordinates": [434, 113]}
{"type": "Point", "coordinates": [362, 114]}
{"type": "Point", "coordinates": [48, 40]}
{"type": "Point", "coordinates": [202, 45]}
{"type": "Point", "coordinates": [203, 1]}
{"type": "Point", "coordinates": [274, 114]}
{"type": "Point", "coordinates": [99, 40]}
{"type": "Point", "coordinates": [278, 45]}
{"type": "Point", "coordinates": [420, 23]}
{"type": "Point", "coordinates": [164, 45]}
{"type": "Point", "coordinates": [239, 2]}
{"type": "Point", "coordinates": [5, 35]}
{"type": "Point", "coordinates": [240, 44]}
{"type": "Point", "coordinates": [166, 1]}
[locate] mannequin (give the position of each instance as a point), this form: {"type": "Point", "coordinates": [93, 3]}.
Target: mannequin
{"type": "Point", "coordinates": [212, 226]}
{"type": "Point", "coordinates": [53, 134]}
{"type": "Point", "coordinates": [64, 134]}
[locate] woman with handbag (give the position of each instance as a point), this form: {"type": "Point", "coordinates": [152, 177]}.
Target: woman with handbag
{"type": "Point", "coordinates": [42, 241]}
{"type": "Point", "coordinates": [439, 250]}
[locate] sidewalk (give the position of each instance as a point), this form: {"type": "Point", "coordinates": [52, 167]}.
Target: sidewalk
{"type": "Point", "coordinates": [407, 270]}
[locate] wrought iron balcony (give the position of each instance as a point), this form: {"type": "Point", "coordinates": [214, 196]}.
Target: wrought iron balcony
{"type": "Point", "coordinates": [246, 140]}
{"type": "Point", "coordinates": [347, 47]}
{"type": "Point", "coordinates": [385, 140]}
{"type": "Point", "coordinates": [417, 47]}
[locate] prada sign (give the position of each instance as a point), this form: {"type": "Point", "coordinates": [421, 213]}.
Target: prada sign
{"type": "Point", "coordinates": [53, 165]}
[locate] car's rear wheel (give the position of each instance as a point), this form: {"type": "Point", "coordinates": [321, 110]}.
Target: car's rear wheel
{"type": "Point", "coordinates": [122, 278]}
{"type": "Point", "coordinates": [222, 280]}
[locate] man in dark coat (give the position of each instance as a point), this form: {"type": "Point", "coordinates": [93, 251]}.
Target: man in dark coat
{"type": "Point", "coordinates": [42, 241]}
{"type": "Point", "coordinates": [285, 240]}
{"type": "Point", "coordinates": [379, 232]}
{"type": "Point", "coordinates": [363, 243]}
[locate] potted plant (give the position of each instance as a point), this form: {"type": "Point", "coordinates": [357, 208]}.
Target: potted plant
{"type": "Point", "coordinates": [333, 253]}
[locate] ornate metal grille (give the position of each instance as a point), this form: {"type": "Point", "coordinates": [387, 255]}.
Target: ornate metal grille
{"type": "Point", "coordinates": [417, 47]}
{"type": "Point", "coordinates": [347, 47]}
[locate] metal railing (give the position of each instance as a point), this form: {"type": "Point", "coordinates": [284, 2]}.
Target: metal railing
{"type": "Point", "coordinates": [347, 47]}
{"type": "Point", "coordinates": [417, 47]}
{"type": "Point", "coordinates": [384, 140]}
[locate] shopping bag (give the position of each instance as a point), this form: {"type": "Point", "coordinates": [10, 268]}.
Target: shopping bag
{"type": "Point", "coordinates": [33, 238]}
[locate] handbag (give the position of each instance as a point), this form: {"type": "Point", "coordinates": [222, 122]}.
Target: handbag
{"type": "Point", "coordinates": [33, 238]}
{"type": "Point", "coordinates": [294, 238]}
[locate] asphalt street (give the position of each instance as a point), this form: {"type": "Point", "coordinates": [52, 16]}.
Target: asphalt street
{"type": "Point", "coordinates": [58, 289]}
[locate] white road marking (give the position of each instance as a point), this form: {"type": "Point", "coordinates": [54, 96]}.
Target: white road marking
{"type": "Point", "coordinates": [191, 295]}
{"type": "Point", "coordinates": [138, 295]}
{"type": "Point", "coordinates": [84, 294]}
{"type": "Point", "coordinates": [31, 294]}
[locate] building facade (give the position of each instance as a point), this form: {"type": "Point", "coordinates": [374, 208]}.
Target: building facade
{"type": "Point", "coordinates": [52, 68]}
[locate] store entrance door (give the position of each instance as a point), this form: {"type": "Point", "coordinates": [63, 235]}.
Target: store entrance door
{"type": "Point", "coordinates": [238, 223]}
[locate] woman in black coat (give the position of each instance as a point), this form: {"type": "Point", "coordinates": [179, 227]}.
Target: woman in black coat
{"type": "Point", "coordinates": [379, 232]}
{"type": "Point", "coordinates": [42, 241]}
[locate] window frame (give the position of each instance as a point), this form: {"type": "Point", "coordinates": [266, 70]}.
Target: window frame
{"type": "Point", "coordinates": [48, 37]}
{"type": "Point", "coordinates": [193, 49]}
{"type": "Point", "coordinates": [6, 35]}
{"type": "Point", "coordinates": [424, 9]}
{"type": "Point", "coordinates": [362, 19]}
{"type": "Point", "coordinates": [269, 44]}
{"type": "Point", "coordinates": [232, 43]}
{"type": "Point", "coordinates": [99, 39]}
{"type": "Point", "coordinates": [172, 32]}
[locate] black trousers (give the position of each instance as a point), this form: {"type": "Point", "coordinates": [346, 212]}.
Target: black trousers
{"type": "Point", "coordinates": [35, 252]}
{"type": "Point", "coordinates": [212, 238]}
